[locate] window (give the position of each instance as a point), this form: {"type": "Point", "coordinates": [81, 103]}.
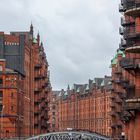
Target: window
{"type": "Point", "coordinates": [53, 125]}
{"type": "Point", "coordinates": [53, 107]}
{"type": "Point", "coordinates": [1, 106]}
{"type": "Point", "coordinates": [12, 108]}
{"type": "Point", "coordinates": [7, 133]}
{"type": "Point", "coordinates": [1, 94]}
{"type": "Point", "coordinates": [0, 68]}
{"type": "Point", "coordinates": [12, 95]}
{"type": "Point", "coordinates": [1, 81]}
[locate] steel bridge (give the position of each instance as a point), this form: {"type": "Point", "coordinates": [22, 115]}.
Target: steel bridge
{"type": "Point", "coordinates": [69, 135]}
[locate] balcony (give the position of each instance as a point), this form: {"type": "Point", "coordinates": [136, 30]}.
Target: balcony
{"type": "Point", "coordinates": [112, 105]}
{"type": "Point", "coordinates": [113, 113]}
{"type": "Point", "coordinates": [38, 77]}
{"type": "Point", "coordinates": [121, 30]}
{"type": "Point", "coordinates": [122, 96]}
{"type": "Point", "coordinates": [118, 71]}
{"type": "Point", "coordinates": [36, 101]}
{"type": "Point", "coordinates": [36, 111]}
{"type": "Point", "coordinates": [118, 100]}
{"type": "Point", "coordinates": [128, 86]}
{"type": "Point", "coordinates": [128, 63]}
{"type": "Point", "coordinates": [37, 89]}
{"type": "Point", "coordinates": [118, 80]}
{"type": "Point", "coordinates": [119, 125]}
{"type": "Point", "coordinates": [121, 8]}
{"type": "Point", "coordinates": [132, 7]}
{"type": "Point", "coordinates": [118, 109]}
{"type": "Point", "coordinates": [133, 49]}
{"type": "Point", "coordinates": [113, 126]}
{"type": "Point", "coordinates": [125, 22]}
{"type": "Point", "coordinates": [126, 117]}
{"type": "Point", "coordinates": [117, 91]}
{"type": "Point", "coordinates": [131, 32]}
{"type": "Point", "coordinates": [43, 96]}
{"type": "Point", "coordinates": [112, 96]}
{"type": "Point", "coordinates": [132, 104]}
{"type": "Point", "coordinates": [37, 66]}
{"type": "Point", "coordinates": [122, 45]}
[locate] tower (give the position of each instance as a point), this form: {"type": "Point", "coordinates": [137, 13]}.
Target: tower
{"type": "Point", "coordinates": [31, 30]}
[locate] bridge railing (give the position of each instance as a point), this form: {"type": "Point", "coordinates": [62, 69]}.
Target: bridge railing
{"type": "Point", "coordinates": [70, 135]}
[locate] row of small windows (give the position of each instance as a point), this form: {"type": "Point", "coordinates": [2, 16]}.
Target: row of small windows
{"type": "Point", "coordinates": [9, 79]}
{"type": "Point", "coordinates": [1, 94]}
{"type": "Point", "coordinates": [11, 43]}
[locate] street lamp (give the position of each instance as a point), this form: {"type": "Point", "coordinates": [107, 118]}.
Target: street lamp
{"type": "Point", "coordinates": [2, 108]}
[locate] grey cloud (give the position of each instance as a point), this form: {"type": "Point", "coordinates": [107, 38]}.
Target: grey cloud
{"type": "Point", "coordinates": [80, 36]}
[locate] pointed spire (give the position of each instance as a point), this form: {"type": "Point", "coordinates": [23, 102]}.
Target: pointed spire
{"type": "Point", "coordinates": [41, 44]}
{"type": "Point", "coordinates": [31, 29]}
{"type": "Point", "coordinates": [68, 88]}
{"type": "Point", "coordinates": [38, 38]}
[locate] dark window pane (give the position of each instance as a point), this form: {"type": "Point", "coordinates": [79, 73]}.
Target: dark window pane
{"type": "Point", "coordinates": [1, 81]}
{"type": "Point", "coordinates": [1, 94]}
{"type": "Point", "coordinates": [1, 107]}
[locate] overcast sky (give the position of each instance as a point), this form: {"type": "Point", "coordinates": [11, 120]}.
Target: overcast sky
{"type": "Point", "coordinates": [80, 36]}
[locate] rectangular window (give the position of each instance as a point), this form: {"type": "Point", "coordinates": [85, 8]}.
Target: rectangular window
{"type": "Point", "coordinates": [1, 94]}
{"type": "Point", "coordinates": [12, 95]}
{"type": "Point", "coordinates": [1, 81]}
{"type": "Point", "coordinates": [0, 68]}
{"type": "Point", "coordinates": [53, 125]}
{"type": "Point", "coordinates": [12, 108]}
{"type": "Point", "coordinates": [1, 107]}
{"type": "Point", "coordinates": [53, 107]}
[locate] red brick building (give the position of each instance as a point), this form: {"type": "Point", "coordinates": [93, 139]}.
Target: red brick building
{"type": "Point", "coordinates": [118, 96]}
{"type": "Point", "coordinates": [130, 66]}
{"type": "Point", "coordinates": [53, 113]}
{"type": "Point", "coordinates": [24, 85]}
{"type": "Point", "coordinates": [12, 99]}
{"type": "Point", "coordinates": [86, 107]}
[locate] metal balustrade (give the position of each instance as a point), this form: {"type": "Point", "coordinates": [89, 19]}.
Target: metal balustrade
{"type": "Point", "coordinates": [132, 104]}
{"type": "Point", "coordinates": [70, 135]}
{"type": "Point", "coordinates": [127, 63]}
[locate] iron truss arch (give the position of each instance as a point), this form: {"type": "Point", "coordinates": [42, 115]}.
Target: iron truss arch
{"type": "Point", "coordinates": [70, 135]}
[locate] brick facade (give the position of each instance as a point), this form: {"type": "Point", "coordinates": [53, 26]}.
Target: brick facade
{"type": "Point", "coordinates": [86, 107]}
{"type": "Point", "coordinates": [53, 113]}
{"type": "Point", "coordinates": [130, 70]}
{"type": "Point", "coordinates": [24, 106]}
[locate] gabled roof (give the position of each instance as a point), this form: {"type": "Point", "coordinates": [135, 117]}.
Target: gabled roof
{"type": "Point", "coordinates": [66, 93]}
{"type": "Point", "coordinates": [76, 86]}
{"type": "Point", "coordinates": [56, 92]}
{"type": "Point", "coordinates": [98, 81]}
